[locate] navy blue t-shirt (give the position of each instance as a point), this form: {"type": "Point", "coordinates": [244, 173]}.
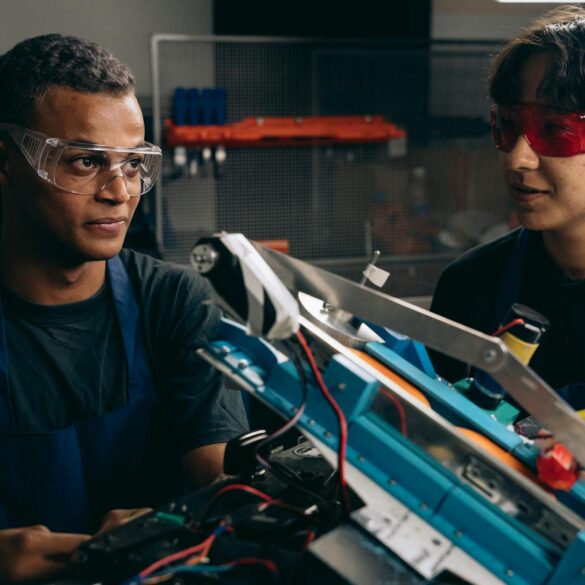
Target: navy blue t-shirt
{"type": "Point", "coordinates": [66, 362]}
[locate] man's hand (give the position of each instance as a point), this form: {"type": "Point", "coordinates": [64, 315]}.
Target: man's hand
{"type": "Point", "coordinates": [118, 517]}
{"type": "Point", "coordinates": [34, 552]}
{"type": "Point", "coordinates": [204, 465]}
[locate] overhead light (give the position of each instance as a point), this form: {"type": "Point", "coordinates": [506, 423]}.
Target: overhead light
{"type": "Point", "coordinates": [540, 1]}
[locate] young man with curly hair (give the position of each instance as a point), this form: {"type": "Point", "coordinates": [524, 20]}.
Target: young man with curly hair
{"type": "Point", "coordinates": [105, 407]}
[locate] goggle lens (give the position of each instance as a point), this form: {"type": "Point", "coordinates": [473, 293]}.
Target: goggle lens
{"type": "Point", "coordinates": [89, 171]}
{"type": "Point", "coordinates": [548, 131]}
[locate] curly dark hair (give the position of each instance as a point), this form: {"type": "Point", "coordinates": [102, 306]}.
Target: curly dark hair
{"type": "Point", "coordinates": [32, 66]}
{"type": "Point", "coordinates": [560, 35]}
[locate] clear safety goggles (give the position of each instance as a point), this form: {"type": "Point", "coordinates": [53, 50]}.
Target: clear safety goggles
{"type": "Point", "coordinates": [548, 131]}
{"type": "Point", "coordinates": [87, 169]}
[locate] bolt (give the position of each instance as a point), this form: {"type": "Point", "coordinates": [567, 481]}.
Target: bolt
{"type": "Point", "coordinates": [243, 364]}
{"type": "Point", "coordinates": [490, 355]}
{"type": "Point", "coordinates": [327, 434]}
{"type": "Point", "coordinates": [342, 386]}
{"type": "Point", "coordinates": [312, 421]}
{"type": "Point", "coordinates": [509, 573]}
{"type": "Point", "coordinates": [361, 458]}
{"type": "Point", "coordinates": [458, 534]}
{"type": "Point", "coordinates": [392, 482]}
{"type": "Point", "coordinates": [423, 506]}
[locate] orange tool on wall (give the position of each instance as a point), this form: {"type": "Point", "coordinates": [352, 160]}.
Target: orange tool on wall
{"type": "Point", "coordinates": [288, 131]}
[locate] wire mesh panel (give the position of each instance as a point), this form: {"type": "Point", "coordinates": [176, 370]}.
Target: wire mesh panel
{"type": "Point", "coordinates": [418, 205]}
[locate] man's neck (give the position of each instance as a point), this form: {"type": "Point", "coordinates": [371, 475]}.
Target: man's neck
{"type": "Point", "coordinates": [567, 249]}
{"type": "Point", "coordinates": [50, 284]}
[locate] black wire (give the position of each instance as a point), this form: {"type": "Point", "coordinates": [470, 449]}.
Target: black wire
{"type": "Point", "coordinates": [283, 473]}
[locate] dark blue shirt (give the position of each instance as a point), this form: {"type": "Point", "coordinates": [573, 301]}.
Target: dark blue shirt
{"type": "Point", "coordinates": [467, 290]}
{"type": "Point", "coordinates": [67, 361]}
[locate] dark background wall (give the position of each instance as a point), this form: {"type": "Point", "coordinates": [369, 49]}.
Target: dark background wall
{"type": "Point", "coordinates": [324, 18]}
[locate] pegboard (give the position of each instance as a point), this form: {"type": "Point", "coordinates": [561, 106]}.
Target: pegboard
{"type": "Point", "coordinates": [336, 202]}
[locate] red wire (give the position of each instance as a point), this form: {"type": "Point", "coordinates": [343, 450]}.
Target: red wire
{"type": "Point", "coordinates": [509, 325]}
{"type": "Point", "coordinates": [207, 543]}
{"type": "Point", "coordinates": [280, 504]}
{"type": "Point", "coordinates": [399, 408]}
{"type": "Point", "coordinates": [268, 564]}
{"type": "Point", "coordinates": [243, 487]}
{"type": "Point", "coordinates": [176, 556]}
{"type": "Point", "coordinates": [498, 332]}
{"type": "Point", "coordinates": [309, 538]}
{"type": "Point", "coordinates": [233, 487]}
{"type": "Point", "coordinates": [340, 417]}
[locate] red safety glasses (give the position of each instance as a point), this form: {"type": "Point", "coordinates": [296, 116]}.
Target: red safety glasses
{"type": "Point", "coordinates": [547, 131]}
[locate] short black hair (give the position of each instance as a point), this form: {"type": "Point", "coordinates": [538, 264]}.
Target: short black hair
{"type": "Point", "coordinates": [32, 66]}
{"type": "Point", "coordinates": [560, 35]}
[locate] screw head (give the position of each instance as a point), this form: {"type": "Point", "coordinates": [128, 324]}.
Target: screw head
{"type": "Point", "coordinates": [204, 258]}
{"type": "Point", "coordinates": [490, 355]}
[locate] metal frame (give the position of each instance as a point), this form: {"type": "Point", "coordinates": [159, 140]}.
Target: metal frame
{"type": "Point", "coordinates": [158, 39]}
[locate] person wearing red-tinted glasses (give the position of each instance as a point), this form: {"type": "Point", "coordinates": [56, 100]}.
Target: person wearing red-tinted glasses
{"type": "Point", "coordinates": [537, 85]}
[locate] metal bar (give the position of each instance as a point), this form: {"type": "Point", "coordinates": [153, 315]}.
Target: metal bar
{"type": "Point", "coordinates": [156, 122]}
{"type": "Point", "coordinates": [456, 340]}
{"type": "Point", "coordinates": [329, 41]}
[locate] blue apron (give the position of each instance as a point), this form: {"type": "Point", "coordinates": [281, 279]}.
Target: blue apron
{"type": "Point", "coordinates": [69, 478]}
{"type": "Point", "coordinates": [508, 294]}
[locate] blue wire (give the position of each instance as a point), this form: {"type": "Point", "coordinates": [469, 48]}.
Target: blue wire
{"type": "Point", "coordinates": [194, 569]}
{"type": "Point", "coordinates": [181, 569]}
{"type": "Point", "coordinates": [137, 580]}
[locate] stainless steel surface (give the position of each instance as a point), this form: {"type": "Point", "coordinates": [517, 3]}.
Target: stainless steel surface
{"type": "Point", "coordinates": [336, 322]}
{"type": "Point", "coordinates": [458, 341]}
{"type": "Point", "coordinates": [513, 493]}
{"type": "Point", "coordinates": [507, 489]}
{"type": "Point", "coordinates": [385, 518]}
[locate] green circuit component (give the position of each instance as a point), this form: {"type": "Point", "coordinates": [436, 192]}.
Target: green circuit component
{"type": "Point", "coordinates": [170, 518]}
